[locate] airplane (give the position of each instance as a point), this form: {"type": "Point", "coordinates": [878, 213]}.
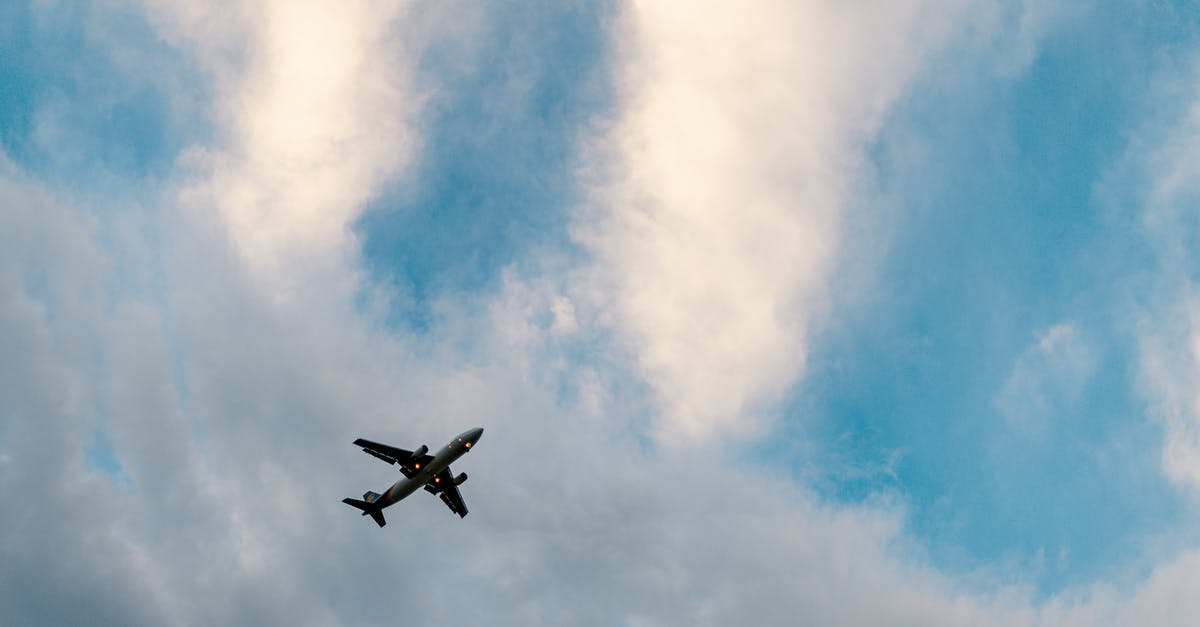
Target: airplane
{"type": "Point", "coordinates": [420, 469]}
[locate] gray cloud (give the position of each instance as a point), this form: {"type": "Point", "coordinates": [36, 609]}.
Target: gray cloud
{"type": "Point", "coordinates": [231, 415]}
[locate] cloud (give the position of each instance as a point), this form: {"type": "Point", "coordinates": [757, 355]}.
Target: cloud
{"type": "Point", "coordinates": [231, 410]}
{"type": "Point", "coordinates": [1169, 331]}
{"type": "Point", "coordinates": [313, 105]}
{"type": "Point", "coordinates": [1047, 379]}
{"type": "Point", "coordinates": [722, 182]}
{"type": "Point", "coordinates": [1036, 20]}
{"type": "Point", "coordinates": [52, 280]}
{"type": "Point", "coordinates": [1171, 367]}
{"type": "Point", "coordinates": [232, 516]}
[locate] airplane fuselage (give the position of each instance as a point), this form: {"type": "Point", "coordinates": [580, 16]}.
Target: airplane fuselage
{"type": "Point", "coordinates": [444, 456]}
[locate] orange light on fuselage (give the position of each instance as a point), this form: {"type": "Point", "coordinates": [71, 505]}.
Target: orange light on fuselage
{"type": "Point", "coordinates": [468, 445]}
{"type": "Point", "coordinates": [417, 466]}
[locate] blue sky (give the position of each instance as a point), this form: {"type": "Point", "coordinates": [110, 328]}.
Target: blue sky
{"type": "Point", "coordinates": [897, 300]}
{"type": "Point", "coordinates": [496, 179]}
{"type": "Point", "coordinates": [86, 88]}
{"type": "Point", "coordinates": [1005, 229]}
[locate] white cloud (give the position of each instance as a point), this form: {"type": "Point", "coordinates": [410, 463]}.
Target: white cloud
{"type": "Point", "coordinates": [723, 180]}
{"type": "Point", "coordinates": [314, 106]}
{"type": "Point", "coordinates": [564, 315]}
{"type": "Point", "coordinates": [1171, 370]}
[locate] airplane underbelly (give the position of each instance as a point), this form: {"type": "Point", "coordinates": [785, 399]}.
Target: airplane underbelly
{"type": "Point", "coordinates": [407, 486]}
{"type": "Point", "coordinates": [403, 488]}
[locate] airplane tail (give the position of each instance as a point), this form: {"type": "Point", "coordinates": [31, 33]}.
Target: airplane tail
{"type": "Point", "coordinates": [368, 507]}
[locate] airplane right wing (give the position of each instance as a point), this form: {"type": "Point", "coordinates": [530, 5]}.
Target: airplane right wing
{"type": "Point", "coordinates": [445, 488]}
{"type": "Point", "coordinates": [453, 499]}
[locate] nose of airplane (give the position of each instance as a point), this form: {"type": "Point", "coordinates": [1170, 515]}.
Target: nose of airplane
{"type": "Point", "coordinates": [472, 436]}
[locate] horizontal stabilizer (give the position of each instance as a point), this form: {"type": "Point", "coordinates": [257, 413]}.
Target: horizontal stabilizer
{"type": "Point", "coordinates": [368, 509]}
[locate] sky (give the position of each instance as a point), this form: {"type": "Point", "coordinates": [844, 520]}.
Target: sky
{"type": "Point", "coordinates": [814, 312]}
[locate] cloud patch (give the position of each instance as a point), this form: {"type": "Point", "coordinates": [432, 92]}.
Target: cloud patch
{"type": "Point", "coordinates": [313, 105]}
{"type": "Point", "coordinates": [1048, 379]}
{"type": "Point", "coordinates": [1169, 331]}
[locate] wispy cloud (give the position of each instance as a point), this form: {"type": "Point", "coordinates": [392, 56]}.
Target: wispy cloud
{"type": "Point", "coordinates": [1170, 327]}
{"type": "Point", "coordinates": [1048, 378]}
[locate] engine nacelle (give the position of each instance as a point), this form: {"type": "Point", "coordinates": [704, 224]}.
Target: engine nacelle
{"type": "Point", "coordinates": [421, 451]}
{"type": "Point", "coordinates": [460, 479]}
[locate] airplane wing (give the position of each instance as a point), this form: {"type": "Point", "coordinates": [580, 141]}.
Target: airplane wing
{"type": "Point", "coordinates": [443, 485]}
{"type": "Point", "coordinates": [408, 461]}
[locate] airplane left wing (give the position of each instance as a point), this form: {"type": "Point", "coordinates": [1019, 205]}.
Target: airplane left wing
{"type": "Point", "coordinates": [408, 460]}
{"type": "Point", "coordinates": [443, 485]}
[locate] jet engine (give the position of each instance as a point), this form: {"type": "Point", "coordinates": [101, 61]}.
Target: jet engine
{"type": "Point", "coordinates": [460, 479]}
{"type": "Point", "coordinates": [421, 451]}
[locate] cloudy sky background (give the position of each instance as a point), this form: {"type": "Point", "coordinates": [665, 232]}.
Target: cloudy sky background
{"type": "Point", "coordinates": [799, 313]}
